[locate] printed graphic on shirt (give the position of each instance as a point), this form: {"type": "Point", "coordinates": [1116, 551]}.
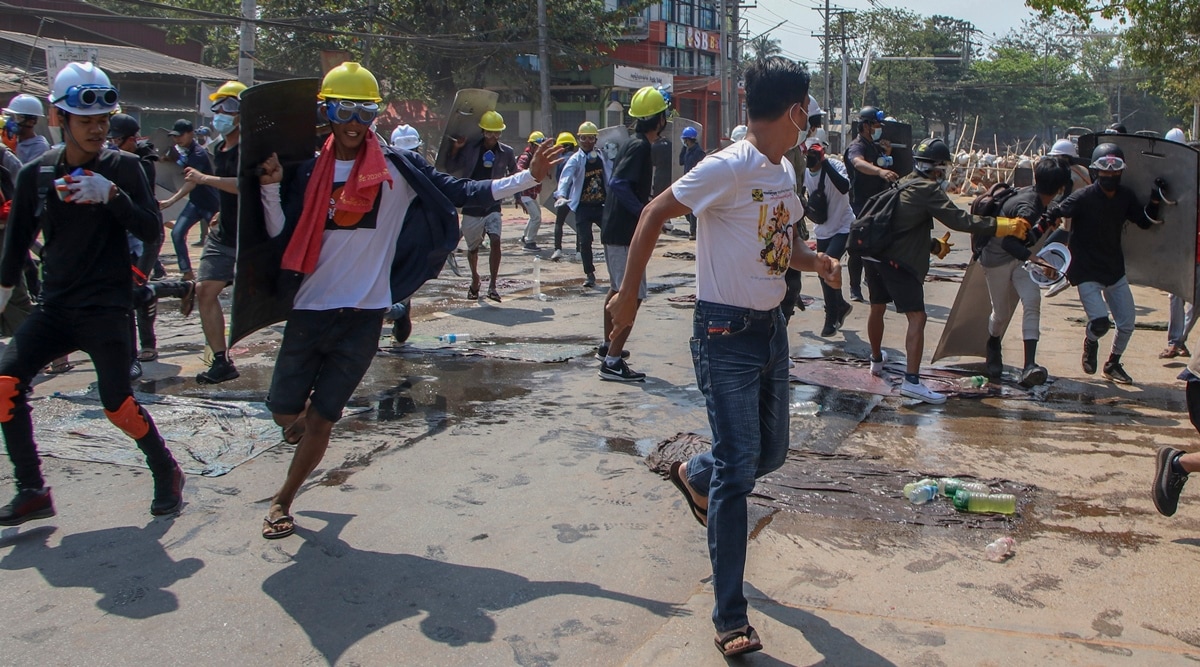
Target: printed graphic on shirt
{"type": "Point", "coordinates": [593, 184]}
{"type": "Point", "coordinates": [349, 219]}
{"type": "Point", "coordinates": [775, 233]}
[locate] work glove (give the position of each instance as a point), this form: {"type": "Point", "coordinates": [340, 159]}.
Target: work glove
{"type": "Point", "coordinates": [5, 295]}
{"type": "Point", "coordinates": [560, 202]}
{"type": "Point", "coordinates": [941, 247]}
{"type": "Point", "coordinates": [1017, 227]}
{"type": "Point", "coordinates": [87, 188]}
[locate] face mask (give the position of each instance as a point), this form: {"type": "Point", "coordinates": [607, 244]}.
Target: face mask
{"type": "Point", "coordinates": [1109, 183]}
{"type": "Point", "coordinates": [876, 133]}
{"type": "Point", "coordinates": [812, 160]}
{"type": "Point", "coordinates": [223, 123]}
{"type": "Point", "coordinates": [800, 132]}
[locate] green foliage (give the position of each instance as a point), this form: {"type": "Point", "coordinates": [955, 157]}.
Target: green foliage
{"type": "Point", "coordinates": [761, 48]}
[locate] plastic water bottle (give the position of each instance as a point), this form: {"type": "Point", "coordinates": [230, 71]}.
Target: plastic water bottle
{"type": "Point", "coordinates": [805, 408]}
{"type": "Point", "coordinates": [995, 503]}
{"type": "Point", "coordinates": [973, 382]}
{"type": "Point", "coordinates": [454, 338]}
{"type": "Point", "coordinates": [999, 550]}
{"type": "Point", "coordinates": [537, 278]}
{"type": "Point", "coordinates": [908, 488]}
{"type": "Point", "coordinates": [951, 485]}
{"type": "Point", "coordinates": [923, 494]}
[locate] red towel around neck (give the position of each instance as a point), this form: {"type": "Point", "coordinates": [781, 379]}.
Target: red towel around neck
{"type": "Point", "coordinates": [369, 172]}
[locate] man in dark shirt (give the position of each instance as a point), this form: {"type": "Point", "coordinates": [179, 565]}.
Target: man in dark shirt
{"type": "Point", "coordinates": [220, 250]}
{"type": "Point", "coordinates": [869, 161]}
{"type": "Point", "coordinates": [1098, 214]}
{"type": "Point", "coordinates": [689, 156]}
{"type": "Point", "coordinates": [628, 193]}
{"type": "Point", "coordinates": [202, 199]}
{"type": "Point", "coordinates": [85, 202]}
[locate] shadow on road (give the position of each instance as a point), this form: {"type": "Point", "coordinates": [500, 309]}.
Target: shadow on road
{"type": "Point", "coordinates": [838, 647]}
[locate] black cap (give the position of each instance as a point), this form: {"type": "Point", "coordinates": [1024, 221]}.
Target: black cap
{"type": "Point", "coordinates": [182, 126]}
{"type": "Point", "coordinates": [122, 125]}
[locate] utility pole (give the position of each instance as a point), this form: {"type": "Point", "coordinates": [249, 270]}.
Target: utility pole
{"type": "Point", "coordinates": [825, 60]}
{"type": "Point", "coordinates": [369, 42]}
{"type": "Point", "coordinates": [544, 68]}
{"type": "Point", "coordinates": [246, 43]}
{"type": "Point", "coordinates": [723, 65]}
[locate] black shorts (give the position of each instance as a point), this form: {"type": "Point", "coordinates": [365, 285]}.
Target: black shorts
{"type": "Point", "coordinates": [890, 283]}
{"type": "Point", "coordinates": [324, 355]}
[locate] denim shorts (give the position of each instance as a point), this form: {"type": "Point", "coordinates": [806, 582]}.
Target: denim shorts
{"type": "Point", "coordinates": [217, 262]}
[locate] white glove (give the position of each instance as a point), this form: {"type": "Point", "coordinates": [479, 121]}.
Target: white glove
{"type": "Point", "coordinates": [5, 295]}
{"type": "Point", "coordinates": [88, 188]}
{"type": "Point", "coordinates": [560, 202]}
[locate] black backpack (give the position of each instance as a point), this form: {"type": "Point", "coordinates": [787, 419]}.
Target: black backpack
{"type": "Point", "coordinates": [990, 204]}
{"type": "Point", "coordinates": [817, 208]}
{"type": "Point", "coordinates": [872, 232]}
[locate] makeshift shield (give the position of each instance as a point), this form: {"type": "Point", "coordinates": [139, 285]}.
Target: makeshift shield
{"type": "Point", "coordinates": [674, 131]}
{"type": "Point", "coordinates": [611, 140]}
{"type": "Point", "coordinates": [1163, 256]}
{"type": "Point", "coordinates": [966, 330]}
{"type": "Point", "coordinates": [900, 134]}
{"type": "Point", "coordinates": [277, 117]}
{"type": "Point", "coordinates": [463, 122]}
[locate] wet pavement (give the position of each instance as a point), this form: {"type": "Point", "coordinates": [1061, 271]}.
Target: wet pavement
{"type": "Point", "coordinates": [494, 502]}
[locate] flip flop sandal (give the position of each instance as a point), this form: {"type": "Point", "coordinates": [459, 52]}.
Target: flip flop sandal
{"type": "Point", "coordinates": [494, 295]}
{"type": "Point", "coordinates": [724, 639]}
{"type": "Point", "coordinates": [700, 513]}
{"type": "Point", "coordinates": [278, 528]}
{"type": "Point", "coordinates": [148, 354]}
{"type": "Point", "coordinates": [473, 293]}
{"type": "Point", "coordinates": [293, 434]}
{"type": "Point", "coordinates": [55, 369]}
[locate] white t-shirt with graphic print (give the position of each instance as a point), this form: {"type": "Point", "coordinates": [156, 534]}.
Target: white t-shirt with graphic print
{"type": "Point", "coordinates": [746, 208]}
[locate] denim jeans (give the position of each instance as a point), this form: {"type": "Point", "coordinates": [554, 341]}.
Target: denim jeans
{"type": "Point", "coordinates": [1179, 324]}
{"type": "Point", "coordinates": [188, 217]}
{"type": "Point", "coordinates": [1098, 300]}
{"type": "Point", "coordinates": [741, 360]}
{"type": "Point", "coordinates": [835, 247]}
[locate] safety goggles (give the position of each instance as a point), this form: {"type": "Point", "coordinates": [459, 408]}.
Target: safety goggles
{"type": "Point", "coordinates": [344, 111]}
{"type": "Point", "coordinates": [227, 105]}
{"type": "Point", "coordinates": [89, 95]}
{"type": "Point", "coordinates": [1108, 163]}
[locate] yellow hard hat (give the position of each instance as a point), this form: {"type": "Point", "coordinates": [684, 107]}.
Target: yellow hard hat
{"type": "Point", "coordinates": [228, 89]}
{"type": "Point", "coordinates": [350, 81]}
{"type": "Point", "coordinates": [536, 137]}
{"type": "Point", "coordinates": [589, 128]}
{"type": "Point", "coordinates": [565, 138]}
{"type": "Point", "coordinates": [492, 122]}
{"type": "Point", "coordinates": [647, 102]}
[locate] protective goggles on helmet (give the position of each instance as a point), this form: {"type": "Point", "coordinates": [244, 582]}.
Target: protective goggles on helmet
{"type": "Point", "coordinates": [89, 95]}
{"type": "Point", "coordinates": [344, 111]}
{"type": "Point", "coordinates": [1108, 163]}
{"type": "Point", "coordinates": [227, 105]}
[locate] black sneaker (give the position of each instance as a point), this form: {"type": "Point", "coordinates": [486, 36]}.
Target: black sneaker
{"type": "Point", "coordinates": [602, 352]}
{"type": "Point", "coordinates": [220, 371]}
{"type": "Point", "coordinates": [846, 308]}
{"type": "Point", "coordinates": [1033, 376]}
{"type": "Point", "coordinates": [1114, 372]}
{"type": "Point", "coordinates": [27, 505]}
{"type": "Point", "coordinates": [856, 295]}
{"type": "Point", "coordinates": [829, 329]}
{"type": "Point", "coordinates": [1090, 348]}
{"type": "Point", "coordinates": [531, 247]}
{"type": "Point", "coordinates": [591, 280]}
{"type": "Point", "coordinates": [1168, 484]}
{"type": "Point", "coordinates": [620, 373]}
{"type": "Point", "coordinates": [135, 370]}
{"type": "Point", "coordinates": [168, 492]}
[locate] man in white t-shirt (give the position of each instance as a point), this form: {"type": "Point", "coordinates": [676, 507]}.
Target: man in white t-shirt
{"type": "Point", "coordinates": [828, 189]}
{"type": "Point", "coordinates": [342, 215]}
{"type": "Point", "coordinates": [746, 206]}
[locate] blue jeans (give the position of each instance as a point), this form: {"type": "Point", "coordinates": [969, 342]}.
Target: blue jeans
{"type": "Point", "coordinates": [741, 360]}
{"type": "Point", "coordinates": [835, 247]}
{"type": "Point", "coordinates": [1179, 324]}
{"type": "Point", "coordinates": [188, 217]}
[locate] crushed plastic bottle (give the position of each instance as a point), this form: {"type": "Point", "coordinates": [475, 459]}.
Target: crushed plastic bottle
{"type": "Point", "coordinates": [948, 486]}
{"type": "Point", "coordinates": [1000, 550]}
{"type": "Point", "coordinates": [454, 338]}
{"type": "Point", "coordinates": [973, 382]}
{"type": "Point", "coordinates": [805, 408]}
{"type": "Point", "coordinates": [993, 503]}
{"type": "Point", "coordinates": [923, 494]}
{"type": "Point", "coordinates": [908, 488]}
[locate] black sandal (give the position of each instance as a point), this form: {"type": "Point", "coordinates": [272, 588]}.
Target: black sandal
{"type": "Point", "coordinates": [724, 639]}
{"type": "Point", "coordinates": [699, 512]}
{"type": "Point", "coordinates": [272, 530]}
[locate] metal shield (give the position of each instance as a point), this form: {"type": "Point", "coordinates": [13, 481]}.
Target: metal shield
{"type": "Point", "coordinates": [463, 121]}
{"type": "Point", "coordinates": [900, 134]}
{"type": "Point", "coordinates": [277, 117]}
{"type": "Point", "coordinates": [1163, 256]}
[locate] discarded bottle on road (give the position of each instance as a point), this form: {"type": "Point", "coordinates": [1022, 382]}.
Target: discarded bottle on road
{"type": "Point", "coordinates": [454, 338]}
{"type": "Point", "coordinates": [973, 382]}
{"type": "Point", "coordinates": [805, 408]}
{"type": "Point", "coordinates": [997, 503]}
{"type": "Point", "coordinates": [951, 485]}
{"type": "Point", "coordinates": [999, 550]}
{"type": "Point", "coordinates": [923, 494]}
{"type": "Point", "coordinates": [908, 488]}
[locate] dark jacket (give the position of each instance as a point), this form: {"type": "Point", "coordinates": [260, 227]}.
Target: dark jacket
{"type": "Point", "coordinates": [462, 164]}
{"type": "Point", "coordinates": [920, 204]}
{"type": "Point", "coordinates": [1097, 222]}
{"type": "Point", "coordinates": [430, 230]}
{"type": "Point", "coordinates": [690, 156]}
{"type": "Point", "coordinates": [995, 252]}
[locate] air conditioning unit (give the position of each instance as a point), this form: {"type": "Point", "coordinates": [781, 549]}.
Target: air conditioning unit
{"type": "Point", "coordinates": [638, 22]}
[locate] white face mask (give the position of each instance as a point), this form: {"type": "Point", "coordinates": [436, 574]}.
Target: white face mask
{"type": "Point", "coordinates": [801, 133]}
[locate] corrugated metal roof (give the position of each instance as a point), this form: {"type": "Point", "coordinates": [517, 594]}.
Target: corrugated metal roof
{"type": "Point", "coordinates": [11, 83]}
{"type": "Point", "coordinates": [129, 59]}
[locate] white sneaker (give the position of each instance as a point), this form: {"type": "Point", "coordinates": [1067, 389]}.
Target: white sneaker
{"type": "Point", "coordinates": [1057, 287]}
{"type": "Point", "coordinates": [922, 393]}
{"type": "Point", "coordinates": [557, 255]}
{"type": "Point", "coordinates": [877, 366]}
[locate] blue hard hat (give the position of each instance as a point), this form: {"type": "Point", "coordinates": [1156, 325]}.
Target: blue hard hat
{"type": "Point", "coordinates": [688, 133]}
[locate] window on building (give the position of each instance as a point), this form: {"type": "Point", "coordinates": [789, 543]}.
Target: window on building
{"type": "Point", "coordinates": [668, 10]}
{"type": "Point", "coordinates": [707, 65]}
{"type": "Point", "coordinates": [666, 57]}
{"type": "Point", "coordinates": [685, 13]}
{"type": "Point", "coordinates": [708, 17]}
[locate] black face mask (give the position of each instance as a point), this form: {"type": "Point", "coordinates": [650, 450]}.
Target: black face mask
{"type": "Point", "coordinates": [812, 160]}
{"type": "Point", "coordinates": [1108, 183]}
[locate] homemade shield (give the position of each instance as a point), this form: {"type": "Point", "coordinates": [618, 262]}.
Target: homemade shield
{"type": "Point", "coordinates": [463, 122]}
{"type": "Point", "coordinates": [966, 330]}
{"type": "Point", "coordinates": [1163, 256]}
{"type": "Point", "coordinates": [900, 134]}
{"type": "Point", "coordinates": [277, 118]}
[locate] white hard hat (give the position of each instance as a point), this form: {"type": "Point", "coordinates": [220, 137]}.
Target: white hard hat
{"type": "Point", "coordinates": [1175, 134]}
{"type": "Point", "coordinates": [1056, 255]}
{"type": "Point", "coordinates": [25, 105]}
{"type": "Point", "coordinates": [1064, 147]}
{"type": "Point", "coordinates": [738, 133]}
{"type": "Point", "coordinates": [83, 89]}
{"type": "Point", "coordinates": [814, 109]}
{"type": "Point", "coordinates": [406, 136]}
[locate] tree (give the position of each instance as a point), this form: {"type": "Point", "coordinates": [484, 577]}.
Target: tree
{"type": "Point", "coordinates": [762, 47]}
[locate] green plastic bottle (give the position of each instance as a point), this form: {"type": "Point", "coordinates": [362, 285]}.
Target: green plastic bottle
{"type": "Point", "coordinates": [951, 485]}
{"type": "Point", "coordinates": [997, 503]}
